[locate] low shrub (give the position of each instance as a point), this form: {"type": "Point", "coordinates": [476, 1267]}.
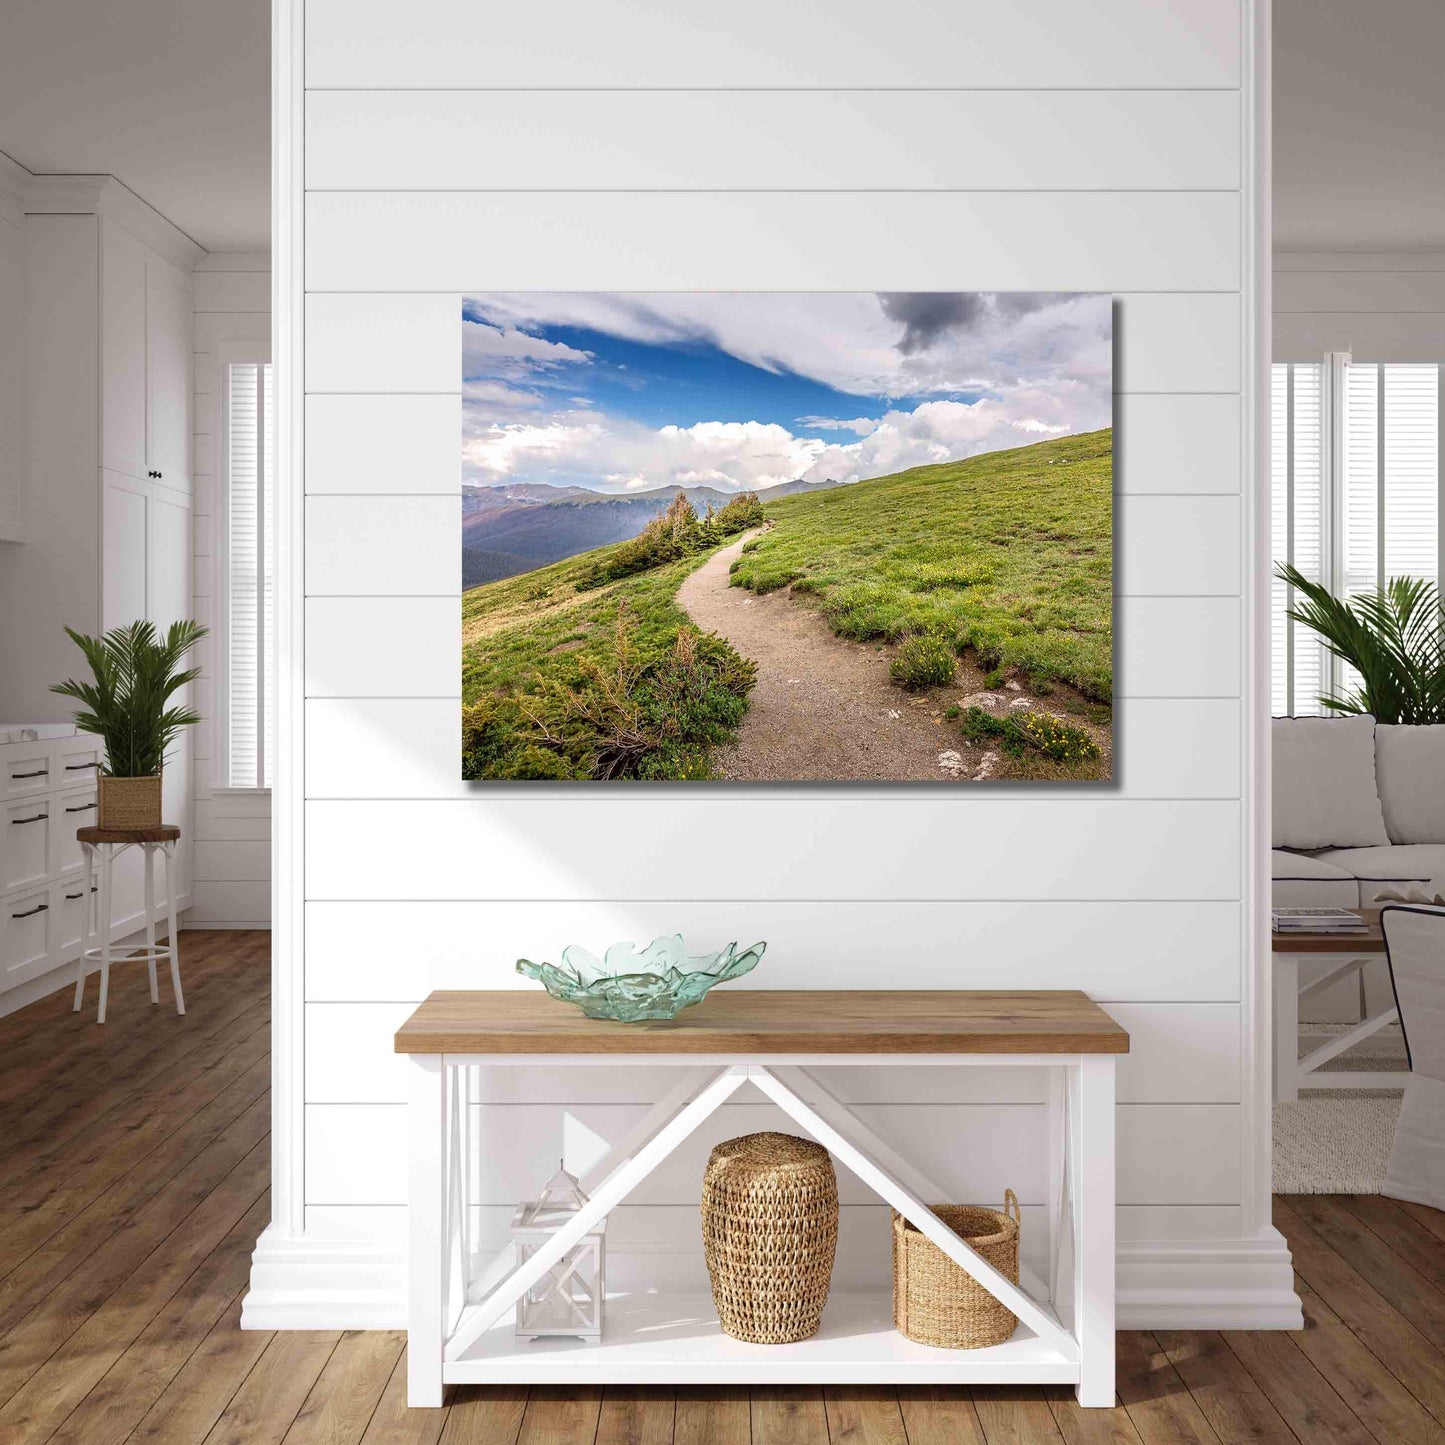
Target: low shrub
{"type": "Point", "coordinates": [925, 661]}
{"type": "Point", "coordinates": [993, 680]}
{"type": "Point", "coordinates": [1023, 732]}
{"type": "Point", "coordinates": [672, 534]}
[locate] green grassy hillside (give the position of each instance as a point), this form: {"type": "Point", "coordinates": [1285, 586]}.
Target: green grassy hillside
{"type": "Point", "coordinates": [571, 671]}
{"type": "Point", "coordinates": [1009, 553]}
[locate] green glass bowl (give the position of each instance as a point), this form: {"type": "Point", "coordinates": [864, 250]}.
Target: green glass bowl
{"type": "Point", "coordinates": [629, 984]}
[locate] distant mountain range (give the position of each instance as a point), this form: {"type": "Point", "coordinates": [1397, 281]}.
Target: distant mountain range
{"type": "Point", "coordinates": [514, 528]}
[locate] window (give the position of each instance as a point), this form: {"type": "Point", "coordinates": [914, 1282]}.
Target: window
{"type": "Point", "coordinates": [248, 525]}
{"type": "Point", "coordinates": [1355, 485]}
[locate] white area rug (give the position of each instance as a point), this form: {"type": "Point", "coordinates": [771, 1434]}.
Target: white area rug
{"type": "Point", "coordinates": [1337, 1141]}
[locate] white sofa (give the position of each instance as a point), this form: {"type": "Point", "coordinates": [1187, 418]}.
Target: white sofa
{"type": "Point", "coordinates": [1358, 808]}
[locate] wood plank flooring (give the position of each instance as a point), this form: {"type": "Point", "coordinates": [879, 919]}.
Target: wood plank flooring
{"type": "Point", "coordinates": [133, 1183]}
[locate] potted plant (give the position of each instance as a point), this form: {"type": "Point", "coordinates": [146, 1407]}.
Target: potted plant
{"type": "Point", "coordinates": [136, 674]}
{"type": "Point", "coordinates": [1392, 636]}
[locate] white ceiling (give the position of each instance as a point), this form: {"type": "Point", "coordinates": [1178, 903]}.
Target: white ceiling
{"type": "Point", "coordinates": [1359, 124]}
{"type": "Point", "coordinates": [172, 97]}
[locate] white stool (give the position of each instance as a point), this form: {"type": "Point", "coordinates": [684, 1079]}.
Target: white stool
{"type": "Point", "coordinates": [110, 843]}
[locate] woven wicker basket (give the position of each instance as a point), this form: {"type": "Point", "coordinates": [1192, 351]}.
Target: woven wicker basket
{"type": "Point", "coordinates": [769, 1232]}
{"type": "Point", "coordinates": [937, 1303]}
{"type": "Point", "coordinates": [129, 802]}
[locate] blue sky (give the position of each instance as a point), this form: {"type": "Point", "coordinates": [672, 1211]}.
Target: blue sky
{"type": "Point", "coordinates": [746, 390]}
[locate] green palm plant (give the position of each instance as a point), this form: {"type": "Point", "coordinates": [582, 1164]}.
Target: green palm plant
{"type": "Point", "coordinates": [1393, 638]}
{"type": "Point", "coordinates": [136, 673]}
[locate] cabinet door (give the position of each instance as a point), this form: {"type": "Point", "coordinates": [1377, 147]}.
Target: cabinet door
{"type": "Point", "coordinates": [124, 526]}
{"type": "Point", "coordinates": [123, 326]}
{"type": "Point", "coordinates": [168, 351]}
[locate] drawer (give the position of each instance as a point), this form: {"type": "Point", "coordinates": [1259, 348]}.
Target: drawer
{"type": "Point", "coordinates": [29, 768]}
{"type": "Point", "coordinates": [77, 760]}
{"type": "Point", "coordinates": [25, 842]}
{"type": "Point", "coordinates": [25, 935]}
{"type": "Point", "coordinates": [69, 811]}
{"type": "Point", "coordinates": [67, 907]}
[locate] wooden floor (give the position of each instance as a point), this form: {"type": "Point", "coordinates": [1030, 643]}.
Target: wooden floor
{"type": "Point", "coordinates": [133, 1184]}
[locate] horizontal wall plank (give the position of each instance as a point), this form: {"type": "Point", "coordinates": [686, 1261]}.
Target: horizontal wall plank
{"type": "Point", "coordinates": [399, 952]}
{"type": "Point", "coordinates": [214, 328]}
{"type": "Point", "coordinates": [773, 241]}
{"type": "Point", "coordinates": [889, 140]}
{"type": "Point", "coordinates": [398, 445]}
{"type": "Point", "coordinates": [1370, 291]}
{"type": "Point", "coordinates": [411, 546]}
{"type": "Point", "coordinates": [383, 646]}
{"type": "Point", "coordinates": [234, 261]}
{"type": "Point", "coordinates": [1287, 260]}
{"type": "Point", "coordinates": [1370, 336]}
{"type": "Point", "coordinates": [696, 843]}
{"type": "Point", "coordinates": [232, 861]}
{"type": "Point", "coordinates": [387, 343]}
{"type": "Point", "coordinates": [1168, 1153]}
{"type": "Point", "coordinates": [410, 445]}
{"type": "Point", "coordinates": [411, 647]}
{"type": "Point", "coordinates": [436, 43]}
{"type": "Point", "coordinates": [1179, 647]}
{"type": "Point", "coordinates": [384, 546]}
{"type": "Point", "coordinates": [230, 903]}
{"type": "Point", "coordinates": [1178, 1053]}
{"type": "Point", "coordinates": [1178, 546]}
{"type": "Point", "coordinates": [410, 748]}
{"type": "Point", "coordinates": [233, 291]}
{"type": "Point", "coordinates": [1176, 444]}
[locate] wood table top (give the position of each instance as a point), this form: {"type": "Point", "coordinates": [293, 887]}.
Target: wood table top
{"type": "Point", "coordinates": [1371, 941]}
{"type": "Point", "coordinates": [776, 1021]}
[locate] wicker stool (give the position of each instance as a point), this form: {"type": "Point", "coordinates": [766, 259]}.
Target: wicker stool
{"type": "Point", "coordinates": [769, 1231]}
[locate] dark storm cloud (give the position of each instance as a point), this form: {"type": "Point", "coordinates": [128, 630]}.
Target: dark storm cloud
{"type": "Point", "coordinates": [926, 316]}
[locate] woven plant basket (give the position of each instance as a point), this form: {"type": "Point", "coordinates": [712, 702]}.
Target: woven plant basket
{"type": "Point", "coordinates": [769, 1232]}
{"type": "Point", "coordinates": [130, 802]}
{"type": "Point", "coordinates": [937, 1303]}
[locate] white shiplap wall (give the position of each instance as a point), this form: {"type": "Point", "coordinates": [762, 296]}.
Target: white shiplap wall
{"type": "Point", "coordinates": [233, 829]}
{"type": "Point", "coordinates": [1051, 144]}
{"type": "Point", "coordinates": [1378, 305]}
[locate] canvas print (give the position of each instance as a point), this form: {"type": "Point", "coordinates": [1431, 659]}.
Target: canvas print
{"type": "Point", "coordinates": [826, 537]}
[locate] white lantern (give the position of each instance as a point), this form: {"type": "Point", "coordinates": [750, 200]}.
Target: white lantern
{"type": "Point", "coordinates": [567, 1300]}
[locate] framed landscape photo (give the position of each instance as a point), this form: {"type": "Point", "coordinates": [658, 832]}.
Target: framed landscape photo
{"type": "Point", "coordinates": [801, 537]}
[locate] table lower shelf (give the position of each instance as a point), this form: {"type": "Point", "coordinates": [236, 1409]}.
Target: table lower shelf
{"type": "Point", "coordinates": [670, 1339]}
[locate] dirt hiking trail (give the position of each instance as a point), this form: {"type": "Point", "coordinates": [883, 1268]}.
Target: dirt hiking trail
{"type": "Point", "coordinates": [823, 707]}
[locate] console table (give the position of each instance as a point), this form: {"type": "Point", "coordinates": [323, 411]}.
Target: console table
{"type": "Point", "coordinates": [460, 1315]}
{"type": "Point", "coordinates": [1348, 953]}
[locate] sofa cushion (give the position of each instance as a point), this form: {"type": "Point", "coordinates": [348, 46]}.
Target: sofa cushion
{"type": "Point", "coordinates": [1301, 881]}
{"type": "Point", "coordinates": [1324, 783]}
{"type": "Point", "coordinates": [1410, 770]}
{"type": "Point", "coordinates": [1383, 870]}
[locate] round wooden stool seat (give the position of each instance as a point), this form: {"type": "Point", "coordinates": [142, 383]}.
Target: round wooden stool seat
{"type": "Point", "coordinates": [166, 833]}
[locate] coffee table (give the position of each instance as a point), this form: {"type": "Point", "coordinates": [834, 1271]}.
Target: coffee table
{"type": "Point", "coordinates": [1348, 953]}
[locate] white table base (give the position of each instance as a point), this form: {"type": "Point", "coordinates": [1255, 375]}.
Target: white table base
{"type": "Point", "coordinates": [1293, 1072]}
{"type": "Point", "coordinates": [460, 1320]}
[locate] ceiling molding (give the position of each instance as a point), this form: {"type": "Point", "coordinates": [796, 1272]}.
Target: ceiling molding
{"type": "Point", "coordinates": [113, 199]}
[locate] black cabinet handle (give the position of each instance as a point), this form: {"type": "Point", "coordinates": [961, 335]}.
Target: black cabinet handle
{"type": "Point", "coordinates": [73, 896]}
{"type": "Point", "coordinates": [43, 773]}
{"type": "Point", "coordinates": [30, 912]}
{"type": "Point", "coordinates": [79, 767]}
{"type": "Point", "coordinates": [81, 808]}
{"type": "Point", "coordinates": [38, 818]}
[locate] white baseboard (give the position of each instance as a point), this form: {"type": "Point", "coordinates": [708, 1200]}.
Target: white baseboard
{"type": "Point", "coordinates": [1241, 1284]}
{"type": "Point", "coordinates": [1212, 1284]}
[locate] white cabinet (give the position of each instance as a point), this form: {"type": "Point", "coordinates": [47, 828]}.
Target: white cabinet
{"type": "Point", "coordinates": [125, 548]}
{"type": "Point", "coordinates": [145, 350]}
{"type": "Point", "coordinates": [42, 886]}
{"type": "Point", "coordinates": [168, 387]}
{"type": "Point", "coordinates": [123, 375]}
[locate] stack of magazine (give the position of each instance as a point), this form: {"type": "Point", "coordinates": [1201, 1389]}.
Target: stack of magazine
{"type": "Point", "coordinates": [1318, 920]}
